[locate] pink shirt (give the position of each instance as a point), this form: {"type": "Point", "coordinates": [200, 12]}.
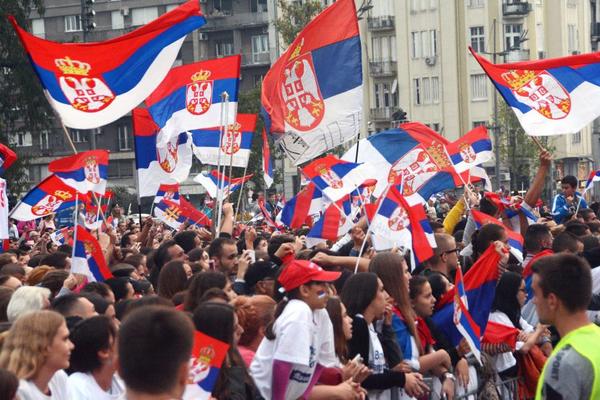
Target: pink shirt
{"type": "Point", "coordinates": [247, 355]}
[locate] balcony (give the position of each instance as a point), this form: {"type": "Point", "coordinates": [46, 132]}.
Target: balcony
{"type": "Point", "coordinates": [256, 59]}
{"type": "Point", "coordinates": [595, 30]}
{"type": "Point", "coordinates": [516, 55]}
{"type": "Point", "coordinates": [381, 23]}
{"type": "Point", "coordinates": [221, 21]}
{"type": "Point", "coordinates": [382, 68]}
{"type": "Point", "coordinates": [516, 9]}
{"type": "Point", "coordinates": [382, 114]}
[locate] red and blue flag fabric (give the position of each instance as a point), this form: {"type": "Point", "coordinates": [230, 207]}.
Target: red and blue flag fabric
{"type": "Point", "coordinates": [496, 333]}
{"type": "Point", "coordinates": [337, 178]}
{"type": "Point", "coordinates": [62, 236]}
{"type": "Point", "coordinates": [92, 220]}
{"type": "Point", "coordinates": [49, 196]}
{"type": "Point", "coordinates": [312, 95]}
{"type": "Point", "coordinates": [235, 144]}
{"type": "Point", "coordinates": [471, 150]}
{"type": "Point", "coordinates": [169, 213]}
{"type": "Point", "coordinates": [267, 163]}
{"type": "Point", "coordinates": [4, 227]}
{"type": "Point", "coordinates": [480, 287]}
{"type": "Point", "coordinates": [84, 172]}
{"type": "Point", "coordinates": [207, 357]}
{"type": "Point", "coordinates": [165, 164]}
{"type": "Point", "coordinates": [528, 310]}
{"type": "Point", "coordinates": [7, 158]}
{"type": "Point", "coordinates": [397, 224]}
{"type": "Point", "coordinates": [335, 222]}
{"type": "Point", "coordinates": [515, 240]}
{"type": "Point", "coordinates": [167, 192]}
{"type": "Point", "coordinates": [93, 84]}
{"type": "Point", "coordinates": [462, 318]}
{"type": "Point", "coordinates": [594, 177]}
{"type": "Point", "coordinates": [214, 180]}
{"type": "Point", "coordinates": [4, 245]}
{"type": "Point", "coordinates": [267, 216]}
{"type": "Point", "coordinates": [551, 96]}
{"type": "Point", "coordinates": [190, 96]}
{"type": "Point", "coordinates": [309, 201]}
{"type": "Point", "coordinates": [88, 258]}
{"type": "Point", "coordinates": [192, 214]}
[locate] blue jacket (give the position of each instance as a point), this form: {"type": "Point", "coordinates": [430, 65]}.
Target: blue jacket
{"type": "Point", "coordinates": [560, 208]}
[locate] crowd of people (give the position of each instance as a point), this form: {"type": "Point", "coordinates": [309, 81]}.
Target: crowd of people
{"type": "Point", "coordinates": [304, 323]}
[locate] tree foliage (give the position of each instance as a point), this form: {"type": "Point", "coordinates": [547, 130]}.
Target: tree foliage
{"type": "Point", "coordinates": [294, 17]}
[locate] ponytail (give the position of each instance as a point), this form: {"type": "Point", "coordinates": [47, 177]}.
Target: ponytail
{"type": "Point", "coordinates": [294, 294]}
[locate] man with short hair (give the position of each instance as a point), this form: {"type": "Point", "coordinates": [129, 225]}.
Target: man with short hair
{"type": "Point", "coordinates": [74, 308]}
{"type": "Point", "coordinates": [155, 345]}
{"type": "Point", "coordinates": [566, 242]}
{"type": "Point", "coordinates": [566, 203]}
{"type": "Point", "coordinates": [445, 257]}
{"type": "Point", "coordinates": [562, 285]}
{"type": "Point", "coordinates": [224, 252]}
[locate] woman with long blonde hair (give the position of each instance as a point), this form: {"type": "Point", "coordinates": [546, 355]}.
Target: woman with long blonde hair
{"type": "Point", "coordinates": [37, 349]}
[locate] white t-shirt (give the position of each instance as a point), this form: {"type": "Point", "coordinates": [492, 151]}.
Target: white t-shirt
{"type": "Point", "coordinates": [83, 386]}
{"type": "Point", "coordinates": [377, 364]}
{"type": "Point", "coordinates": [504, 361]}
{"type": "Point", "coordinates": [303, 338]}
{"type": "Point", "coordinates": [57, 385]}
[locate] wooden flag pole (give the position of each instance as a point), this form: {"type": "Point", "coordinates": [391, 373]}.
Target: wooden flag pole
{"type": "Point", "coordinates": [219, 199]}
{"type": "Point", "coordinates": [538, 143]}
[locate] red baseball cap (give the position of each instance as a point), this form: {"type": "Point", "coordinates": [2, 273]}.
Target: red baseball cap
{"type": "Point", "coordinates": [299, 272]}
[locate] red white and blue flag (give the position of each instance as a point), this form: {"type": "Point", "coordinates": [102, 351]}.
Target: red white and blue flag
{"type": "Point", "coordinates": [170, 213]}
{"type": "Point", "coordinates": [515, 240]}
{"type": "Point", "coordinates": [88, 258]}
{"type": "Point", "coordinates": [462, 318]}
{"type": "Point", "coordinates": [84, 172]}
{"type": "Point", "coordinates": [7, 158]}
{"type": "Point", "coordinates": [49, 196]}
{"type": "Point", "coordinates": [166, 164]}
{"type": "Point", "coordinates": [594, 177]}
{"type": "Point", "coordinates": [92, 220]}
{"type": "Point", "coordinates": [551, 96]}
{"type": "Point", "coordinates": [214, 180]}
{"type": "Point", "coordinates": [471, 150]}
{"type": "Point", "coordinates": [190, 96]}
{"type": "Point", "coordinates": [235, 144]}
{"type": "Point", "coordinates": [62, 236]}
{"type": "Point", "coordinates": [480, 287]}
{"type": "Point", "coordinates": [267, 162]}
{"type": "Point", "coordinates": [4, 231]}
{"type": "Point", "coordinates": [397, 224]}
{"type": "Point", "coordinates": [207, 357]}
{"type": "Point", "coordinates": [266, 215]}
{"type": "Point", "coordinates": [312, 95]}
{"type": "Point", "coordinates": [335, 222]}
{"type": "Point", "coordinates": [192, 214]}
{"type": "Point", "coordinates": [93, 84]}
{"type": "Point", "coordinates": [167, 192]}
{"type": "Point", "coordinates": [309, 201]}
{"type": "Point", "coordinates": [496, 333]}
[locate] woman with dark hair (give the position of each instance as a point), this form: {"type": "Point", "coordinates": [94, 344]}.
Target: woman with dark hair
{"type": "Point", "coordinates": [366, 302]}
{"type": "Point", "coordinates": [173, 278]}
{"type": "Point", "coordinates": [219, 321]}
{"type": "Point", "coordinates": [8, 385]}
{"type": "Point", "coordinates": [485, 236]}
{"type": "Point", "coordinates": [93, 361]}
{"type": "Point", "coordinates": [506, 310]}
{"type": "Point", "coordinates": [121, 287]}
{"type": "Point", "coordinates": [202, 282]}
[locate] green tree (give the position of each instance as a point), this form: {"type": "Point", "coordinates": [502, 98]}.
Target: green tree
{"type": "Point", "coordinates": [294, 17]}
{"type": "Point", "coordinates": [22, 104]}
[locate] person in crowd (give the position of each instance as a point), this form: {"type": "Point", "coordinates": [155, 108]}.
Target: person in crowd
{"type": "Point", "coordinates": [366, 302]}
{"type": "Point", "coordinates": [27, 299]}
{"type": "Point", "coordinates": [168, 250]}
{"type": "Point", "coordinates": [260, 278]}
{"type": "Point", "coordinates": [74, 308]}
{"type": "Point", "coordinates": [94, 361]}
{"type": "Point", "coordinates": [173, 278]}
{"type": "Point", "coordinates": [445, 258]}
{"type": "Point", "coordinates": [121, 288]}
{"type": "Point", "coordinates": [37, 350]}
{"type": "Point", "coordinates": [223, 252]}
{"type": "Point", "coordinates": [101, 289]}
{"type": "Point", "coordinates": [201, 283]}
{"type": "Point", "coordinates": [566, 203]}
{"type": "Point", "coordinates": [567, 242]}
{"type": "Point", "coordinates": [9, 384]}
{"type": "Point", "coordinates": [254, 314]}
{"type": "Point", "coordinates": [10, 282]}
{"type": "Point", "coordinates": [102, 306]}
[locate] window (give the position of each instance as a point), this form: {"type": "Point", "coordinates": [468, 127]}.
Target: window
{"type": "Point", "coordinates": [384, 97]}
{"type": "Point", "coordinates": [79, 136]}
{"type": "Point", "coordinates": [383, 48]}
{"type": "Point", "coordinates": [426, 85]}
{"type": "Point", "coordinates": [141, 16]}
{"type": "Point", "coordinates": [435, 90]}
{"type": "Point", "coordinates": [417, 89]}
{"type": "Point", "coordinates": [512, 36]}
{"type": "Point", "coordinates": [478, 87]}
{"type": "Point", "coordinates": [476, 3]}
{"type": "Point", "coordinates": [22, 139]}
{"type": "Point", "coordinates": [432, 43]}
{"type": "Point", "coordinates": [260, 48]}
{"type": "Point", "coordinates": [576, 138]}
{"type": "Point", "coordinates": [222, 7]}
{"type": "Point", "coordinates": [258, 80]}
{"type": "Point", "coordinates": [44, 140]}
{"type": "Point", "coordinates": [73, 23]}
{"type": "Point", "coordinates": [171, 7]}
{"type": "Point", "coordinates": [261, 5]}
{"type": "Point", "coordinates": [38, 28]}
{"type": "Point", "coordinates": [416, 45]}
{"type": "Point", "coordinates": [120, 169]}
{"type": "Point", "coordinates": [479, 123]}
{"type": "Point", "coordinates": [572, 38]}
{"type": "Point", "coordinates": [116, 20]}
{"type": "Point", "coordinates": [124, 139]}
{"type": "Point", "coordinates": [223, 48]}
{"type": "Point", "coordinates": [477, 39]}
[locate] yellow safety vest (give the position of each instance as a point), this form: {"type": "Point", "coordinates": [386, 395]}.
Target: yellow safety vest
{"type": "Point", "coordinates": [585, 341]}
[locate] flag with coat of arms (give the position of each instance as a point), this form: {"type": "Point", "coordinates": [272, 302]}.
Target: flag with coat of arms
{"type": "Point", "coordinates": [84, 172]}
{"type": "Point", "coordinates": [207, 357]}
{"type": "Point", "coordinates": [49, 196]}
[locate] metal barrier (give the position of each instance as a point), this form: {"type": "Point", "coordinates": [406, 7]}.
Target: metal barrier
{"type": "Point", "coordinates": [507, 390]}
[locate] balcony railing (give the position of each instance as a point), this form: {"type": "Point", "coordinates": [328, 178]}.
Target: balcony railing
{"type": "Point", "coordinates": [517, 55]}
{"type": "Point", "coordinates": [256, 59]}
{"type": "Point", "coordinates": [382, 68]}
{"type": "Point", "coordinates": [382, 113]}
{"type": "Point", "coordinates": [381, 23]}
{"type": "Point", "coordinates": [516, 9]}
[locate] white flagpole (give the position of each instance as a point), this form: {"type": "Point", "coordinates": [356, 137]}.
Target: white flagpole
{"type": "Point", "coordinates": [224, 120]}
{"type": "Point", "coordinates": [237, 207]}
{"type": "Point", "coordinates": [75, 217]}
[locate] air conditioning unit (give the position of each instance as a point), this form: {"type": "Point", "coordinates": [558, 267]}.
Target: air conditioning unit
{"type": "Point", "coordinates": [430, 60]}
{"type": "Point", "coordinates": [202, 36]}
{"type": "Point", "coordinates": [575, 52]}
{"type": "Point", "coordinates": [124, 11]}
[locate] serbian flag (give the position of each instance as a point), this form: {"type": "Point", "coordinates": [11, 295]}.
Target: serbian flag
{"type": "Point", "coordinates": [515, 240]}
{"type": "Point", "coordinates": [93, 84]}
{"type": "Point", "coordinates": [480, 287]}
{"type": "Point", "coordinates": [92, 220]}
{"type": "Point", "coordinates": [496, 333]}
{"type": "Point", "coordinates": [309, 201]}
{"type": "Point", "coordinates": [193, 215]}
{"type": "Point", "coordinates": [62, 236]}
{"type": "Point", "coordinates": [88, 258]}
{"type": "Point", "coordinates": [170, 213]}
{"type": "Point", "coordinates": [4, 245]}
{"type": "Point", "coordinates": [207, 357]}
{"type": "Point", "coordinates": [336, 221]}
{"type": "Point", "coordinates": [49, 196]}
{"type": "Point", "coordinates": [471, 150]}
{"type": "Point", "coordinates": [312, 95]}
{"type": "Point", "coordinates": [412, 154]}
{"type": "Point", "coordinates": [594, 177]}
{"type": "Point", "coordinates": [235, 144]}
{"type": "Point", "coordinates": [267, 215]}
{"type": "Point", "coordinates": [396, 223]}
{"type": "Point", "coordinates": [337, 178]}
{"type": "Point", "coordinates": [213, 180]}
{"type": "Point", "coordinates": [267, 163]}
{"type": "Point", "coordinates": [528, 310]}
{"type": "Point", "coordinates": [156, 165]}
{"type": "Point", "coordinates": [7, 158]}
{"type": "Point", "coordinates": [167, 192]}
{"type": "Point", "coordinates": [190, 96]}
{"type": "Point", "coordinates": [462, 318]}
{"type": "Point", "coordinates": [552, 96]}
{"type": "Point", "coordinates": [4, 234]}
{"type": "Point", "coordinates": [84, 172]}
